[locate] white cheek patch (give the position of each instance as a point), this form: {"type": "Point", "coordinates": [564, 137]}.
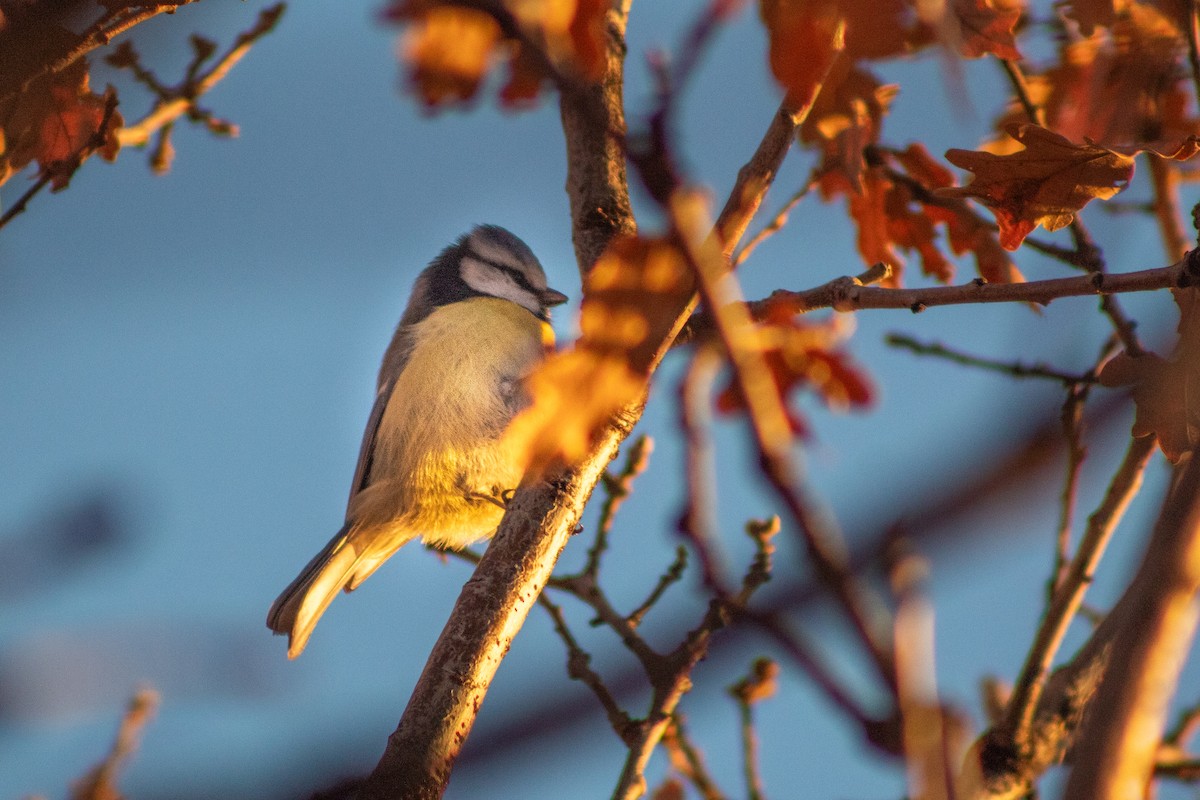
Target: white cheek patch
{"type": "Point", "coordinates": [495, 283]}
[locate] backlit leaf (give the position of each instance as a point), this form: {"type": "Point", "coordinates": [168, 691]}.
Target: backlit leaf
{"type": "Point", "coordinates": [805, 37]}
{"type": "Point", "coordinates": [632, 296]}
{"type": "Point", "coordinates": [53, 122]}
{"type": "Point", "coordinates": [1044, 184]}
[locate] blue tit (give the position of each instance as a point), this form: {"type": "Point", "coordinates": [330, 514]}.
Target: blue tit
{"type": "Point", "coordinates": [432, 463]}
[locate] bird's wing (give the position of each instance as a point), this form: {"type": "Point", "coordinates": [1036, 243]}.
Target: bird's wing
{"type": "Point", "coordinates": [394, 361]}
{"type": "Point", "coordinates": [367, 450]}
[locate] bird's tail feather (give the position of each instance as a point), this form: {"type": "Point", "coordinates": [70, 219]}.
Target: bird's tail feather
{"type": "Point", "coordinates": [297, 609]}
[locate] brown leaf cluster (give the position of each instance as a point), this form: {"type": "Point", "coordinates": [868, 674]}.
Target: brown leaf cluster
{"type": "Point", "coordinates": [805, 354]}
{"type": "Point", "coordinates": [1124, 84]}
{"type": "Point", "coordinates": [632, 296]}
{"type": "Point", "coordinates": [54, 122]}
{"type": "Point", "coordinates": [449, 48]}
{"type": "Point", "coordinates": [1051, 179]}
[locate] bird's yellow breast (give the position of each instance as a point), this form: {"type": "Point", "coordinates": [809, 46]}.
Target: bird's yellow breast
{"type": "Point", "coordinates": [439, 438]}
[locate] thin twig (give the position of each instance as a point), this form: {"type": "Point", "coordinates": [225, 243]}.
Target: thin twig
{"type": "Point", "coordinates": [1164, 177]}
{"type": "Point", "coordinates": [769, 422]}
{"type": "Point", "coordinates": [71, 163]}
{"type": "Point", "coordinates": [757, 686]}
{"type": "Point", "coordinates": [672, 576]}
{"type": "Point", "coordinates": [847, 294]}
{"type": "Point", "coordinates": [174, 102]}
{"type": "Point", "coordinates": [1015, 369]}
{"type": "Point", "coordinates": [579, 668]}
{"type": "Point", "coordinates": [1016, 76]}
{"type": "Point", "coordinates": [687, 759]}
{"type": "Point", "coordinates": [1029, 685]}
{"type": "Point", "coordinates": [617, 488]}
{"type": "Point", "coordinates": [776, 224]}
{"type": "Point", "coordinates": [101, 782]}
{"type": "Point", "coordinates": [698, 521]}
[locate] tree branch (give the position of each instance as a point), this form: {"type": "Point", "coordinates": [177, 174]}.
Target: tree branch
{"type": "Point", "coordinates": [1115, 756]}
{"type": "Point", "coordinates": [848, 294]}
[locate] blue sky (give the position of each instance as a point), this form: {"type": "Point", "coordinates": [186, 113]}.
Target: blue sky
{"type": "Point", "coordinates": [187, 362]}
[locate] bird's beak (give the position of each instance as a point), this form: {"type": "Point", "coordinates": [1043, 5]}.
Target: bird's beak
{"type": "Point", "coordinates": [551, 297]}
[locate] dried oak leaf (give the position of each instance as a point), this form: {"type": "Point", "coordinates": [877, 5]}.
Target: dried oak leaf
{"type": "Point", "coordinates": [632, 296]}
{"type": "Point", "coordinates": [846, 117]}
{"type": "Point", "coordinates": [986, 27]}
{"type": "Point", "coordinates": [1166, 392]}
{"type": "Point", "coordinates": [805, 38]}
{"type": "Point", "coordinates": [1090, 14]}
{"type": "Point", "coordinates": [1044, 184]}
{"type": "Point", "coordinates": [55, 122]}
{"type": "Point", "coordinates": [449, 49]}
{"type": "Point", "coordinates": [804, 354]}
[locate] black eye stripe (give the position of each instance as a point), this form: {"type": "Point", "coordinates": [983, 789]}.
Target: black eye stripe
{"type": "Point", "coordinates": [515, 274]}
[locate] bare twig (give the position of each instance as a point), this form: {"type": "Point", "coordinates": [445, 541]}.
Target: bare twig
{"type": "Point", "coordinates": [673, 574]}
{"type": "Point", "coordinates": [617, 488]}
{"type": "Point", "coordinates": [1016, 76]}
{"type": "Point", "coordinates": [578, 668]}
{"type": "Point", "coordinates": [69, 165]}
{"type": "Point", "coordinates": [687, 760]}
{"type": "Point", "coordinates": [1016, 369]}
{"type": "Point", "coordinates": [1032, 680]}
{"type": "Point", "coordinates": [748, 691]}
{"type": "Point", "coordinates": [847, 294]}
{"type": "Point", "coordinates": [174, 102]}
{"type": "Point", "coordinates": [776, 224]}
{"type": "Point", "coordinates": [101, 782]}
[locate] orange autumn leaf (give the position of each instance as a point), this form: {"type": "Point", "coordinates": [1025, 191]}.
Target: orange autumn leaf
{"type": "Point", "coordinates": [632, 296]}
{"type": "Point", "coordinates": [986, 27]}
{"type": "Point", "coordinates": [449, 50]}
{"type": "Point", "coordinates": [1090, 14]}
{"type": "Point", "coordinates": [54, 122]}
{"type": "Point", "coordinates": [1044, 184]}
{"type": "Point", "coordinates": [802, 354]}
{"type": "Point", "coordinates": [805, 38]}
{"type": "Point", "coordinates": [846, 117]}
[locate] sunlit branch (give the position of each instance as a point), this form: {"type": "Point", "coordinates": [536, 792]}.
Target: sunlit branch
{"type": "Point", "coordinates": [848, 294]}
{"type": "Point", "coordinates": [101, 782]}
{"type": "Point", "coordinates": [1193, 41]}
{"type": "Point", "coordinates": [175, 102]}
{"type": "Point", "coordinates": [1032, 680]}
{"type": "Point", "coordinates": [1117, 748]}
{"type": "Point", "coordinates": [1016, 369]}
{"type": "Point", "coordinates": [698, 521]}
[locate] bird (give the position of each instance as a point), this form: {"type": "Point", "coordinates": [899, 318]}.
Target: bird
{"type": "Point", "coordinates": [433, 463]}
